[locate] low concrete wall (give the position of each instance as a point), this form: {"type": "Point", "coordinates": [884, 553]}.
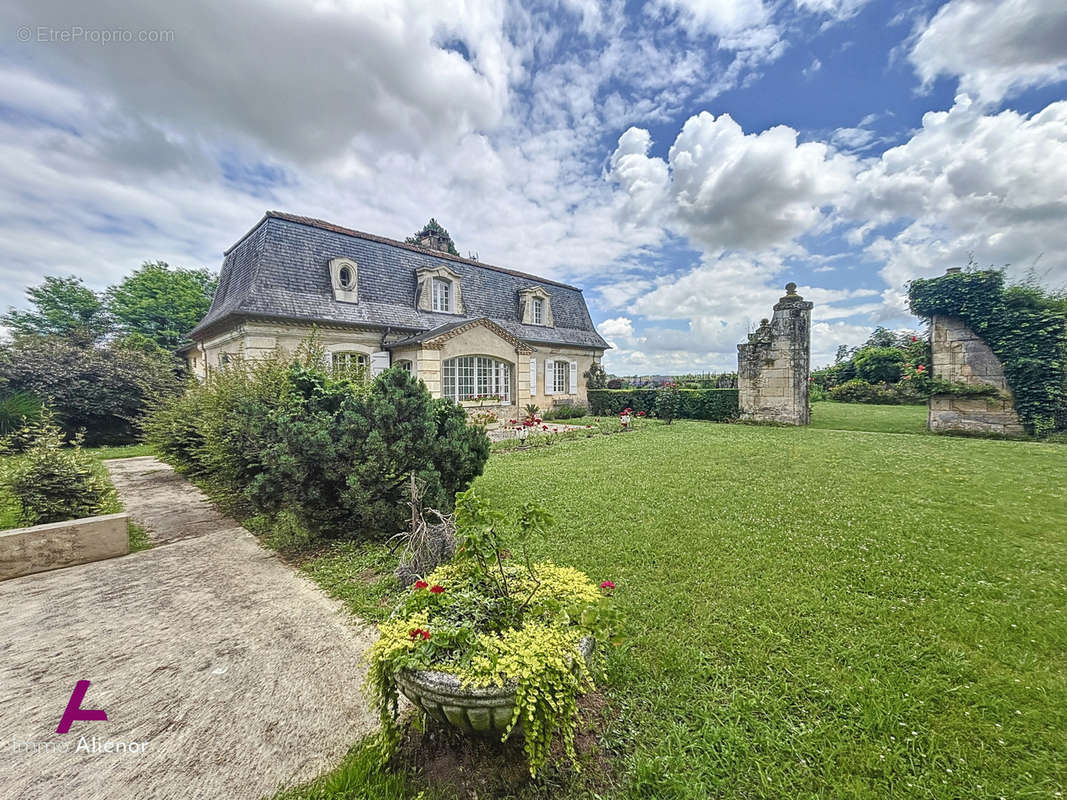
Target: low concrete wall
{"type": "Point", "coordinates": [24, 551]}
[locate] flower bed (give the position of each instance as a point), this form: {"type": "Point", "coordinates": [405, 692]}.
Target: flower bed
{"type": "Point", "coordinates": [493, 644]}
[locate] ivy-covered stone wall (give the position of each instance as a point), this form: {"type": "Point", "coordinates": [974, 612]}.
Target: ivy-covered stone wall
{"type": "Point", "coordinates": [960, 356]}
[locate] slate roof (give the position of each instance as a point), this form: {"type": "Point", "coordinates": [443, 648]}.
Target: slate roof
{"type": "Point", "coordinates": [279, 270]}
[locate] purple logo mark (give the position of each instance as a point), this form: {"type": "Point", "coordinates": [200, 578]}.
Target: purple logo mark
{"type": "Point", "coordinates": [75, 711]}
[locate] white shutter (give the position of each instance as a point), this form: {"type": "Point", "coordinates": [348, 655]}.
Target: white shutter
{"type": "Point", "coordinates": [533, 376]}
{"type": "Point", "coordinates": [574, 378]}
{"type": "Point", "coordinates": [379, 362]}
{"type": "Point", "coordinates": [550, 383]}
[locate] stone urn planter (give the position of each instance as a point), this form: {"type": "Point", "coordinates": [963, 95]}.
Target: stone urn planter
{"type": "Point", "coordinates": [482, 711]}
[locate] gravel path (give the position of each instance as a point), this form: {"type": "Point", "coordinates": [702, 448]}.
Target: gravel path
{"type": "Point", "coordinates": [237, 674]}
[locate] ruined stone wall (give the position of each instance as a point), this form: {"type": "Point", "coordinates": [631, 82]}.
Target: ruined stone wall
{"type": "Point", "coordinates": [772, 367]}
{"type": "Point", "coordinates": [961, 356]}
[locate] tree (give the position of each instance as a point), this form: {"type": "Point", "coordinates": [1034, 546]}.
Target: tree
{"type": "Point", "coordinates": [161, 302]}
{"type": "Point", "coordinates": [61, 307]}
{"type": "Point", "coordinates": [103, 390]}
{"type": "Point", "coordinates": [433, 228]}
{"type": "Point", "coordinates": [595, 376]}
{"type": "Point", "coordinates": [881, 337]}
{"type": "Point", "coordinates": [880, 364]}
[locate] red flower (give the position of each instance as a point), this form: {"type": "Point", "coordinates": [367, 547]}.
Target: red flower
{"type": "Point", "coordinates": [513, 422]}
{"type": "Point", "coordinates": [544, 427]}
{"type": "Point", "coordinates": [419, 633]}
{"type": "Point", "coordinates": [915, 338]}
{"type": "Point", "coordinates": [625, 424]}
{"type": "Point", "coordinates": [640, 413]}
{"type": "Point", "coordinates": [437, 588]}
{"type": "Point", "coordinates": [421, 584]}
{"type": "Point", "coordinates": [555, 430]}
{"type": "Point", "coordinates": [538, 420]}
{"type": "Point", "coordinates": [920, 368]}
{"type": "Point", "coordinates": [607, 585]}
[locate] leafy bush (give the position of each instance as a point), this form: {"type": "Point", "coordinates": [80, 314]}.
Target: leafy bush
{"type": "Point", "coordinates": [667, 402]}
{"type": "Point", "coordinates": [335, 452]}
{"type": "Point", "coordinates": [570, 411]}
{"type": "Point", "coordinates": [858, 390]}
{"type": "Point", "coordinates": [717, 405]}
{"type": "Point", "coordinates": [880, 364]}
{"type": "Point", "coordinates": [55, 483]}
{"type": "Point", "coordinates": [104, 391]}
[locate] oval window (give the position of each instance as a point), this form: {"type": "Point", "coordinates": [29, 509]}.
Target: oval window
{"type": "Point", "coordinates": [345, 276]}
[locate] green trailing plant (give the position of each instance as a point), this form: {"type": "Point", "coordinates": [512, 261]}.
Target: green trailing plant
{"type": "Point", "coordinates": [492, 617]}
{"type": "Point", "coordinates": [1025, 326]}
{"type": "Point", "coordinates": [54, 482]}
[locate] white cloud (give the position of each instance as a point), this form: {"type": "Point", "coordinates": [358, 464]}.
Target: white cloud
{"type": "Point", "coordinates": [973, 183]}
{"type": "Point", "coordinates": [730, 190]}
{"type": "Point", "coordinates": [836, 10]}
{"type": "Point", "coordinates": [723, 18]}
{"type": "Point", "coordinates": [852, 138]}
{"type": "Point", "coordinates": [994, 47]}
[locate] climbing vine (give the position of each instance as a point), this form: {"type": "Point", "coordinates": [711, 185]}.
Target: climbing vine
{"type": "Point", "coordinates": [1025, 326]}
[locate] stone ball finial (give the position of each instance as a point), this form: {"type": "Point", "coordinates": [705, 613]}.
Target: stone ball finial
{"type": "Point", "coordinates": [764, 321]}
{"type": "Point", "coordinates": [790, 288]}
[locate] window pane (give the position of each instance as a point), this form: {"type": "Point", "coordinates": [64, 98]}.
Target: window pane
{"type": "Point", "coordinates": [467, 377]}
{"type": "Point", "coordinates": [442, 291]}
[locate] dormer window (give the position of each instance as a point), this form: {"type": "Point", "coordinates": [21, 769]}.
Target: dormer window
{"type": "Point", "coordinates": [344, 275]}
{"type": "Point", "coordinates": [442, 295]}
{"type": "Point", "coordinates": [438, 289]}
{"type": "Point", "coordinates": [535, 307]}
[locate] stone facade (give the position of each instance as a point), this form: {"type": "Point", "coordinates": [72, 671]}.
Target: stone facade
{"type": "Point", "coordinates": [961, 356]}
{"type": "Point", "coordinates": [772, 367]}
{"type": "Point", "coordinates": [259, 339]}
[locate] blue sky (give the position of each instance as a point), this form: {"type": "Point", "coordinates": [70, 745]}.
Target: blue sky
{"type": "Point", "coordinates": [681, 160]}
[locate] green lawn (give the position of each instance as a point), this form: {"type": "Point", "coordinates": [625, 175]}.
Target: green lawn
{"type": "Point", "coordinates": [863, 417]}
{"type": "Point", "coordinates": [813, 613]}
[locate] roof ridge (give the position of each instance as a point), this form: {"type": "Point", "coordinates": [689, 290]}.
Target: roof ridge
{"type": "Point", "coordinates": [329, 226]}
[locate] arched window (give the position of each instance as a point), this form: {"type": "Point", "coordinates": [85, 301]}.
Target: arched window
{"type": "Point", "coordinates": [471, 377]}
{"type": "Point", "coordinates": [349, 360]}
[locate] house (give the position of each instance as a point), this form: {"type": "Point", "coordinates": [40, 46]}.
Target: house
{"type": "Point", "coordinates": [466, 328]}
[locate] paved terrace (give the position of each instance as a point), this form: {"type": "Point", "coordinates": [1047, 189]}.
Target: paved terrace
{"type": "Point", "coordinates": [237, 674]}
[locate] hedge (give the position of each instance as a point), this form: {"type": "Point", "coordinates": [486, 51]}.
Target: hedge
{"type": "Point", "coordinates": [717, 405]}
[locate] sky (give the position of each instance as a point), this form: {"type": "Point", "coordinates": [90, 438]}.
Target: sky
{"type": "Point", "coordinates": [680, 160]}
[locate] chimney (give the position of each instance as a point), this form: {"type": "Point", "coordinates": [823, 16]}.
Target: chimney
{"type": "Point", "coordinates": [433, 241]}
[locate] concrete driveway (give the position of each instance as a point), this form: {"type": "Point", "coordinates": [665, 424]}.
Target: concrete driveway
{"type": "Point", "coordinates": [223, 673]}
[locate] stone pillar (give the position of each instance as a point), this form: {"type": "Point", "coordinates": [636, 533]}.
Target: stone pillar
{"type": "Point", "coordinates": [961, 356]}
{"type": "Point", "coordinates": [772, 367]}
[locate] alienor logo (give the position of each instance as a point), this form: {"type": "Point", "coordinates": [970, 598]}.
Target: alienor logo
{"type": "Point", "coordinates": [76, 712]}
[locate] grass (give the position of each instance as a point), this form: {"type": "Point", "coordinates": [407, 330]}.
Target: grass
{"type": "Point", "coordinates": [811, 612]}
{"type": "Point", "coordinates": [120, 451]}
{"type": "Point", "coordinates": [864, 417]}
